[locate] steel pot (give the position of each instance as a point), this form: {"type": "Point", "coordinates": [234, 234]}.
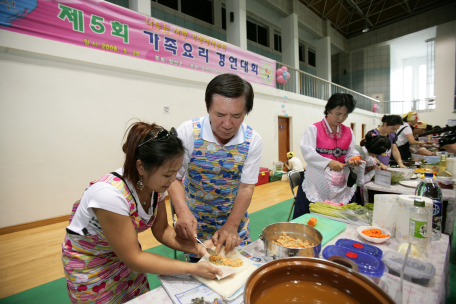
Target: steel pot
{"type": "Point", "coordinates": [295, 230]}
{"type": "Point", "coordinates": [310, 280]}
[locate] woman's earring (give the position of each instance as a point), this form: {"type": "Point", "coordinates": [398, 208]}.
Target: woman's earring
{"type": "Point", "coordinates": [140, 185]}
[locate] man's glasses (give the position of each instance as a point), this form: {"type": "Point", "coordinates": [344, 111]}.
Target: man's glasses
{"type": "Point", "coordinates": [161, 135]}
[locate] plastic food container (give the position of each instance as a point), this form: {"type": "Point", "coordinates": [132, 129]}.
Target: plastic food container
{"type": "Point", "coordinates": [432, 159]}
{"type": "Point", "coordinates": [363, 247]}
{"type": "Point", "coordinates": [417, 271]}
{"type": "Point", "coordinates": [368, 265]}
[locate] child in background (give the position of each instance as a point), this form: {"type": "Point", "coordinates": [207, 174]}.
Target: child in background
{"type": "Point", "coordinates": [371, 146]}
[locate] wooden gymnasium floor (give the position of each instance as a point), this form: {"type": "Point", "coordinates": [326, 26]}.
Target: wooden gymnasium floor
{"type": "Point", "coordinates": [32, 257]}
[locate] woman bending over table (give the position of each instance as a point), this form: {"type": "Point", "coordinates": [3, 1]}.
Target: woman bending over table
{"type": "Point", "coordinates": [390, 124]}
{"type": "Point", "coordinates": [102, 258]}
{"type": "Point", "coordinates": [327, 147]}
{"type": "Point", "coordinates": [405, 135]}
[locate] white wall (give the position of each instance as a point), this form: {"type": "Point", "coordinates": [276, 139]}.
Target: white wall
{"type": "Point", "coordinates": [64, 110]}
{"type": "Point", "coordinates": [445, 50]}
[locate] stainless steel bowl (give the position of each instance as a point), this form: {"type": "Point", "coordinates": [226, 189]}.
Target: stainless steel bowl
{"type": "Point", "coordinates": [294, 230]}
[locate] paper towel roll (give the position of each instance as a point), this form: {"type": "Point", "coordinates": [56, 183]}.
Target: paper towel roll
{"type": "Point", "coordinates": [403, 216]}
{"type": "Point", "coordinates": [385, 212]}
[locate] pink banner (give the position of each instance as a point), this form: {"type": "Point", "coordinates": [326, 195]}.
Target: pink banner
{"type": "Point", "coordinates": [106, 27]}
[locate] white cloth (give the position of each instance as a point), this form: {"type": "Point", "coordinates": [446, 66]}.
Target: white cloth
{"type": "Point", "coordinates": [363, 176]}
{"type": "Point", "coordinates": [107, 197]}
{"type": "Point", "coordinates": [251, 167]}
{"type": "Point", "coordinates": [402, 137]}
{"type": "Point", "coordinates": [319, 181]}
{"type": "Point", "coordinates": [294, 163]}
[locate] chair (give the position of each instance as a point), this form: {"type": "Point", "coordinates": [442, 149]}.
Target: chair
{"type": "Point", "coordinates": [294, 177]}
{"type": "Point", "coordinates": [173, 213]}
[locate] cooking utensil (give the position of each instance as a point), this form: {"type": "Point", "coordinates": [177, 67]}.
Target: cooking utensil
{"type": "Point", "coordinates": [209, 250]}
{"type": "Point", "coordinates": [304, 232]}
{"type": "Point", "coordinates": [310, 280]}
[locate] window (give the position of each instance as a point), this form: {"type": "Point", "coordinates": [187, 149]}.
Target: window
{"type": "Point", "coordinates": [123, 3]}
{"type": "Point", "coordinates": [277, 42]}
{"type": "Point", "coordinates": [408, 83]}
{"type": "Point", "coordinates": [257, 33]}
{"type": "Point", "coordinates": [301, 53]}
{"type": "Point", "coordinates": [312, 58]}
{"type": "Point", "coordinates": [199, 9]}
{"type": "Point", "coordinates": [174, 4]}
{"type": "Point", "coordinates": [223, 18]}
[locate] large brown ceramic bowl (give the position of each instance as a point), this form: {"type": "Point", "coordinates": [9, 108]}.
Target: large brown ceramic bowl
{"type": "Point", "coordinates": [310, 280]}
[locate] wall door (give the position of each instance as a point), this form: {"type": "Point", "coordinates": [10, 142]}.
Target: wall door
{"type": "Point", "coordinates": [284, 139]}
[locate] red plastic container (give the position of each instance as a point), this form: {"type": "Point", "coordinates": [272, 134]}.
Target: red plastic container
{"type": "Point", "coordinates": [263, 176]}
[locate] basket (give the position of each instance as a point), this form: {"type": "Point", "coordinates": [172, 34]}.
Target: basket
{"type": "Point", "coordinates": [275, 177]}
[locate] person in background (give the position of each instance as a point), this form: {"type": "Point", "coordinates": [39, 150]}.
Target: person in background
{"type": "Point", "coordinates": [220, 167]}
{"type": "Point", "coordinates": [405, 135]}
{"type": "Point", "coordinates": [327, 147]}
{"type": "Point", "coordinates": [390, 124]}
{"type": "Point", "coordinates": [418, 129]}
{"type": "Point", "coordinates": [294, 163]}
{"type": "Point", "coordinates": [102, 258]}
{"type": "Point", "coordinates": [372, 146]}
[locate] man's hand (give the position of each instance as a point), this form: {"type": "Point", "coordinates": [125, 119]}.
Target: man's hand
{"type": "Point", "coordinates": [227, 235]}
{"type": "Point", "coordinates": [186, 226]}
{"type": "Point", "coordinates": [334, 165]}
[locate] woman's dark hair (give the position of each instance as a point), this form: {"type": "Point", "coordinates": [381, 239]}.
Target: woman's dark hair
{"type": "Point", "coordinates": [376, 144]}
{"type": "Point", "coordinates": [429, 128]}
{"type": "Point", "coordinates": [340, 100]}
{"type": "Point", "coordinates": [392, 120]}
{"type": "Point", "coordinates": [230, 85]}
{"type": "Point", "coordinates": [153, 153]}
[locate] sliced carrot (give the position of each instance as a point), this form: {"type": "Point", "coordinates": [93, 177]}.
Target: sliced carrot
{"type": "Point", "coordinates": [312, 222]}
{"type": "Point", "coordinates": [375, 233]}
{"type": "Point", "coordinates": [358, 157]}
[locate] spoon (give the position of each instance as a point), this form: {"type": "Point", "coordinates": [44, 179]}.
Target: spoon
{"type": "Point", "coordinates": [209, 250]}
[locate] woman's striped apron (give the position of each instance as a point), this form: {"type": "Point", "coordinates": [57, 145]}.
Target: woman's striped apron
{"type": "Point", "coordinates": [93, 271]}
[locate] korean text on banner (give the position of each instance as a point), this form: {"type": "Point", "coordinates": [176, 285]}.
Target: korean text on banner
{"type": "Point", "coordinates": [106, 27]}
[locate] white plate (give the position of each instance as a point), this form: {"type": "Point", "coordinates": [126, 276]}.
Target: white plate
{"type": "Point", "coordinates": [412, 184]}
{"type": "Point", "coordinates": [414, 176]}
{"type": "Point", "coordinates": [373, 239]}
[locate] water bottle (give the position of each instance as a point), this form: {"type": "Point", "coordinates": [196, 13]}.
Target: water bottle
{"type": "Point", "coordinates": [418, 227]}
{"type": "Point", "coordinates": [431, 189]}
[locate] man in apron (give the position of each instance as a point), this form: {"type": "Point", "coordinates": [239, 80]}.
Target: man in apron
{"type": "Point", "coordinates": [220, 168]}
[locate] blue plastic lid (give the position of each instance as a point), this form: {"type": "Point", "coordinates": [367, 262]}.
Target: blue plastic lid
{"type": "Point", "coordinates": [368, 264]}
{"type": "Point", "coordinates": [429, 174]}
{"type": "Point", "coordinates": [362, 247]}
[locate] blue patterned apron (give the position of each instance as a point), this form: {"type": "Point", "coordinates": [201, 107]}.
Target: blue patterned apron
{"type": "Point", "coordinates": [212, 183]}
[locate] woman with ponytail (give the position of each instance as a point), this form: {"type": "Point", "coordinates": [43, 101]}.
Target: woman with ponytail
{"type": "Point", "coordinates": [102, 259]}
{"type": "Point", "coordinates": [390, 124]}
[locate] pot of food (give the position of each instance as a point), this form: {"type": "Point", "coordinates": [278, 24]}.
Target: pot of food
{"type": "Point", "coordinates": [284, 240]}
{"type": "Point", "coordinates": [310, 280]}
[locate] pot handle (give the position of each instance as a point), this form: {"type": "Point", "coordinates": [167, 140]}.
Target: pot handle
{"type": "Point", "coordinates": [344, 262]}
{"type": "Point", "coordinates": [261, 237]}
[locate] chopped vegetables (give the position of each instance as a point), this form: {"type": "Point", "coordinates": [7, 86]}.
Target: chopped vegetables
{"type": "Point", "coordinates": [377, 233]}
{"type": "Point", "coordinates": [312, 222]}
{"type": "Point", "coordinates": [221, 261]}
{"type": "Point", "coordinates": [287, 241]}
{"type": "Point", "coordinates": [358, 157]}
{"type": "Point", "coordinates": [369, 206]}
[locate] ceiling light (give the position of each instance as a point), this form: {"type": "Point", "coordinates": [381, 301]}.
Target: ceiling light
{"type": "Point", "coordinates": [365, 30]}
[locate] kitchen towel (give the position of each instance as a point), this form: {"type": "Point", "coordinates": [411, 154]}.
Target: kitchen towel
{"type": "Point", "coordinates": [385, 212]}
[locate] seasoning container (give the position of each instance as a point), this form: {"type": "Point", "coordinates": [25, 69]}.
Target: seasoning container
{"type": "Point", "coordinates": [417, 271]}
{"type": "Point", "coordinates": [369, 265]}
{"type": "Point", "coordinates": [363, 247]}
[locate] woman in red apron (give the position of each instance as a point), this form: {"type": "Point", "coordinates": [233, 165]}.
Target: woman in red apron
{"type": "Point", "coordinates": [327, 147]}
{"type": "Point", "coordinates": [101, 255]}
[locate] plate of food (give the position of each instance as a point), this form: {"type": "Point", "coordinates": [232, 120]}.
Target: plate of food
{"type": "Point", "coordinates": [411, 184]}
{"type": "Point", "coordinates": [229, 262]}
{"type": "Point", "coordinates": [374, 234]}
